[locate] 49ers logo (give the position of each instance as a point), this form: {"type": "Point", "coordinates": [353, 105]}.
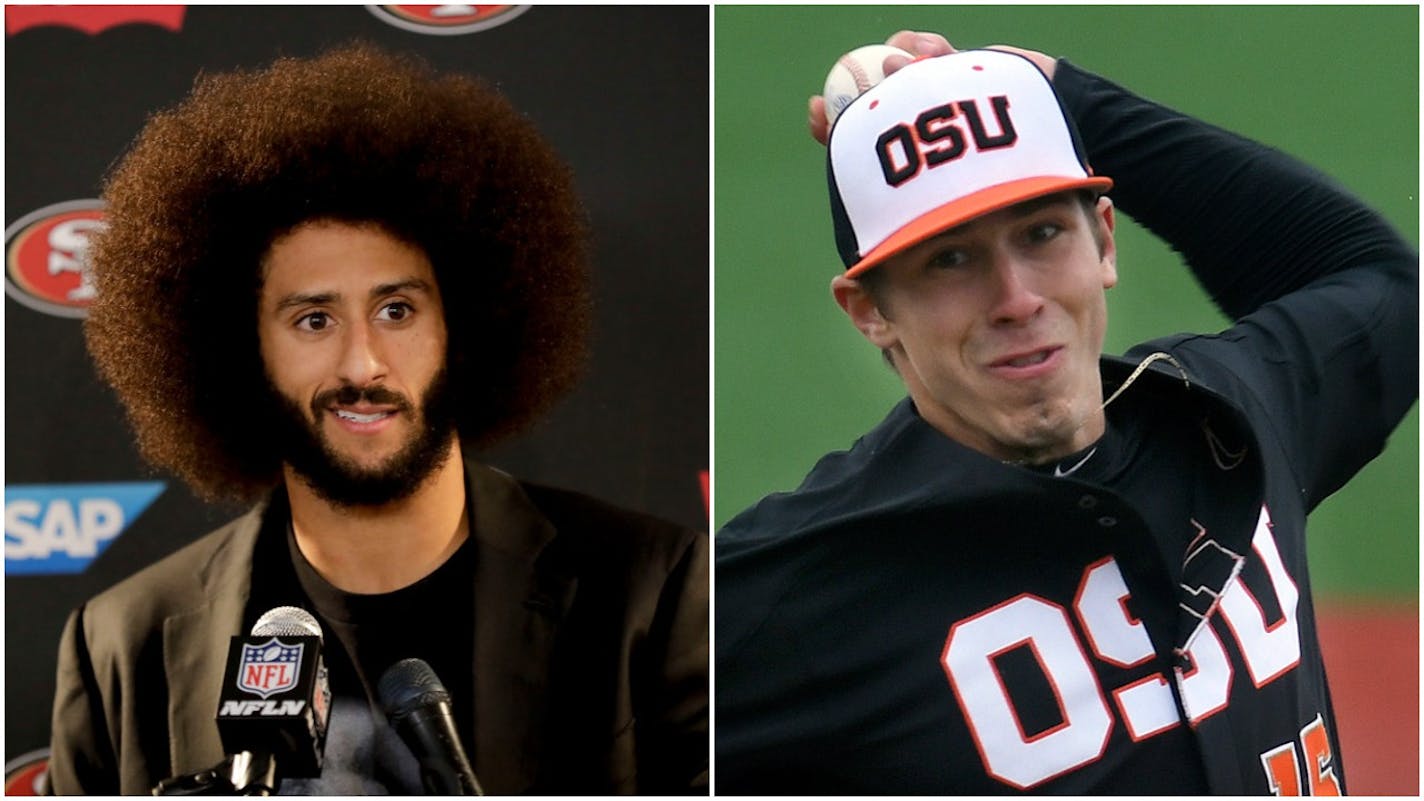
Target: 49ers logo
{"type": "Point", "coordinates": [448, 19]}
{"type": "Point", "coordinates": [45, 257]}
{"type": "Point", "coordinates": [25, 774]}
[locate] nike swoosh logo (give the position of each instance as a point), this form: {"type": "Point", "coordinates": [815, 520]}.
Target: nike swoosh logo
{"type": "Point", "coordinates": [1224, 458]}
{"type": "Point", "coordinates": [1059, 472]}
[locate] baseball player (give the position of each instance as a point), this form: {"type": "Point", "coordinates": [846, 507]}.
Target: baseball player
{"type": "Point", "coordinates": [1049, 569]}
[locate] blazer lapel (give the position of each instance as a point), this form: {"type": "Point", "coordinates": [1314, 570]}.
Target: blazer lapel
{"type": "Point", "coordinates": [195, 645]}
{"type": "Point", "coordinates": [521, 592]}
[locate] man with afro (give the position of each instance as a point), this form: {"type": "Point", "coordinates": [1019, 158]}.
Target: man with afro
{"type": "Point", "coordinates": [322, 286]}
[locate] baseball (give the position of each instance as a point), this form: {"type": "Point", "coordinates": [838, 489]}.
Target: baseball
{"type": "Point", "coordinates": [855, 73]}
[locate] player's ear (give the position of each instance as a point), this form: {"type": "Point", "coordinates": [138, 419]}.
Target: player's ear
{"type": "Point", "coordinates": [1107, 245]}
{"type": "Point", "coordinates": [863, 311]}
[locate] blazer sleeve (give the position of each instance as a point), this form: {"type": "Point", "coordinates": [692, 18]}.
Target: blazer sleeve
{"type": "Point", "coordinates": [82, 759]}
{"type": "Point", "coordinates": [673, 730]}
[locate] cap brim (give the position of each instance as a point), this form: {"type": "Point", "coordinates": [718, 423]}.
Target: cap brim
{"type": "Point", "coordinates": [964, 209]}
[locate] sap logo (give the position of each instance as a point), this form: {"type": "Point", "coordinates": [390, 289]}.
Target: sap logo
{"type": "Point", "coordinates": [242, 709]}
{"type": "Point", "coordinates": [61, 528]}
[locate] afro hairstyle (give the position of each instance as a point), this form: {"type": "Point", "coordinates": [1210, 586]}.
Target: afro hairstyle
{"type": "Point", "coordinates": [356, 135]}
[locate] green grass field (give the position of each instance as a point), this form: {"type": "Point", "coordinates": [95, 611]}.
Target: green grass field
{"type": "Point", "coordinates": [1337, 87]}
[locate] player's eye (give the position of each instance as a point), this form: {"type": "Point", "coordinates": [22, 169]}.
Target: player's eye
{"type": "Point", "coordinates": [946, 258]}
{"type": "Point", "coordinates": [1042, 232]}
{"type": "Point", "coordinates": [314, 321]}
{"type": "Point", "coordinates": [395, 312]}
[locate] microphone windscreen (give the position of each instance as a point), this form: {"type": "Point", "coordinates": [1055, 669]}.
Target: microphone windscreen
{"type": "Point", "coordinates": [418, 707]}
{"type": "Point", "coordinates": [409, 685]}
{"type": "Point", "coordinates": [286, 621]}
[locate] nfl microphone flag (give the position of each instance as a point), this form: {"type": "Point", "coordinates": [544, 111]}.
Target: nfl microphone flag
{"type": "Point", "coordinates": [275, 701]}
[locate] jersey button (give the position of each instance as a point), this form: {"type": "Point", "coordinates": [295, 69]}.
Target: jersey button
{"type": "Point", "coordinates": [1087, 502]}
{"type": "Point", "coordinates": [1107, 522]}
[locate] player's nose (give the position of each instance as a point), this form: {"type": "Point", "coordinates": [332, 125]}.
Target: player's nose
{"type": "Point", "coordinates": [362, 362]}
{"type": "Point", "coordinates": [1015, 299]}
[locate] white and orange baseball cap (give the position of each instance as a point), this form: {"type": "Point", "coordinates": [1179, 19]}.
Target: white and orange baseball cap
{"type": "Point", "coordinates": [942, 141]}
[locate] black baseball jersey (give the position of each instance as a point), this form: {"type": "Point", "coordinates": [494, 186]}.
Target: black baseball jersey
{"type": "Point", "coordinates": [920, 618]}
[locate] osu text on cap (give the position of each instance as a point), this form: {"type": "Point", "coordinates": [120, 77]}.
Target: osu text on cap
{"type": "Point", "coordinates": [934, 140]}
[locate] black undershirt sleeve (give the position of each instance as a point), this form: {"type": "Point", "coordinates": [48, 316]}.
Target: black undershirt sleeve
{"type": "Point", "coordinates": [1252, 223]}
{"type": "Point", "coordinates": [1324, 351]}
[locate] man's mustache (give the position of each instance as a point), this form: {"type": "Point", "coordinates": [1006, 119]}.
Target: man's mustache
{"type": "Point", "coordinates": [350, 394]}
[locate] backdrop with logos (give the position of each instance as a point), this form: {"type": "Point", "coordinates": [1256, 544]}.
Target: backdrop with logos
{"type": "Point", "coordinates": [619, 91]}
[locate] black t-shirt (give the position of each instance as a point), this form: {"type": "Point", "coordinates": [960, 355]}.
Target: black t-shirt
{"type": "Point", "coordinates": [432, 620]}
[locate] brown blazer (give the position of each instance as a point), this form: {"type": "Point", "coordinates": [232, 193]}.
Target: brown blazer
{"type": "Point", "coordinates": [590, 642]}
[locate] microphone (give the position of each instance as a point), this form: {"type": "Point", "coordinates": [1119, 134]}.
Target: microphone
{"type": "Point", "coordinates": [418, 706]}
{"type": "Point", "coordinates": [273, 707]}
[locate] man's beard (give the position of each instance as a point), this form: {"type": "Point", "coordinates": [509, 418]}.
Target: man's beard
{"type": "Point", "coordinates": [340, 480]}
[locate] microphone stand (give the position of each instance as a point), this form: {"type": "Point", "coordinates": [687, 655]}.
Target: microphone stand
{"type": "Point", "coordinates": [245, 773]}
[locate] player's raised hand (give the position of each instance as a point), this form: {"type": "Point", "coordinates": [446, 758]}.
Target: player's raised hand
{"type": "Point", "coordinates": [917, 43]}
{"type": "Point", "coordinates": [1046, 64]}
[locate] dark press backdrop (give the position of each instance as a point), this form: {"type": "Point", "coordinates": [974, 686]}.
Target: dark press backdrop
{"type": "Point", "coordinates": [620, 92]}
